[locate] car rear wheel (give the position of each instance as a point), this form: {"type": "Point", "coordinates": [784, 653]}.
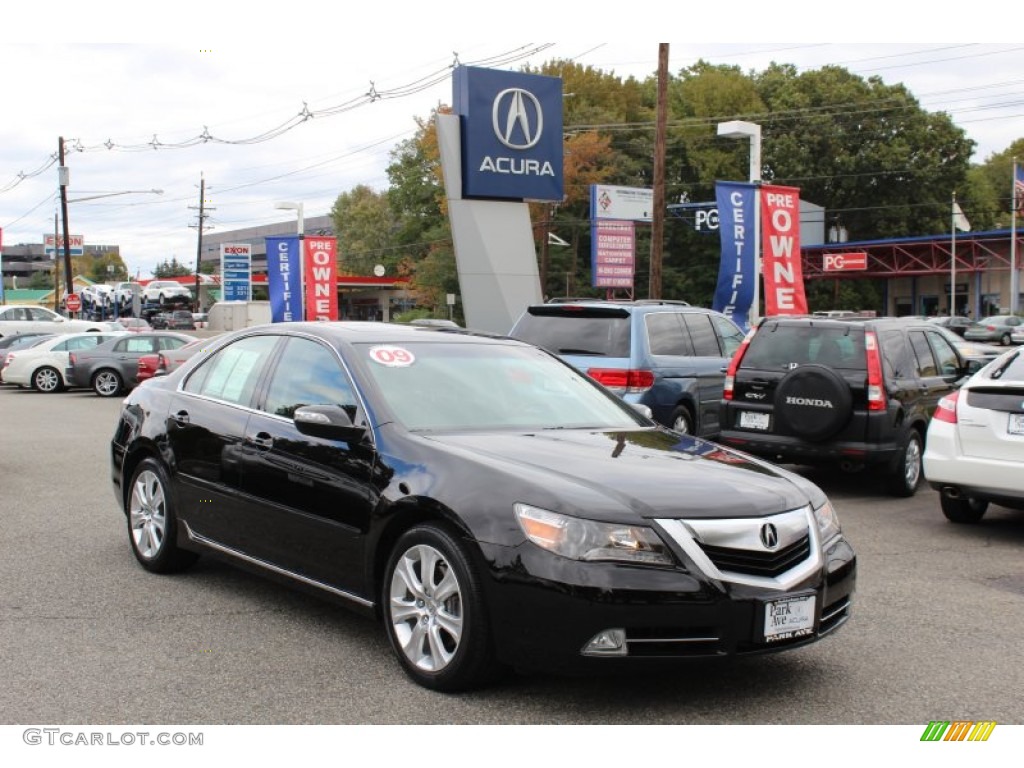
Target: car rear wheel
{"type": "Point", "coordinates": [963, 509]}
{"type": "Point", "coordinates": [107, 383]}
{"type": "Point", "coordinates": [152, 524]}
{"type": "Point", "coordinates": [1005, 340]}
{"type": "Point", "coordinates": [47, 380]}
{"type": "Point", "coordinates": [905, 475]}
{"type": "Point", "coordinates": [682, 422]}
{"type": "Point", "coordinates": [434, 611]}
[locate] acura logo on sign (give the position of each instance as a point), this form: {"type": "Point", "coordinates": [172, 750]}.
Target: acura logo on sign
{"type": "Point", "coordinates": [769, 536]}
{"type": "Point", "coordinates": [515, 124]}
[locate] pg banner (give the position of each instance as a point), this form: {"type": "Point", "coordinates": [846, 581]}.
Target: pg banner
{"type": "Point", "coordinates": [321, 275]}
{"type": "Point", "coordinates": [284, 279]}
{"type": "Point", "coordinates": [736, 274]}
{"type": "Point", "coordinates": [780, 248]}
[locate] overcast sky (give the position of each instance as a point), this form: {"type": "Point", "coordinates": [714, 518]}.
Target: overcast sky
{"type": "Point", "coordinates": [230, 79]}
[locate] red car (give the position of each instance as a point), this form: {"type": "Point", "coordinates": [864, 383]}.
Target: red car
{"type": "Point", "coordinates": [166, 361]}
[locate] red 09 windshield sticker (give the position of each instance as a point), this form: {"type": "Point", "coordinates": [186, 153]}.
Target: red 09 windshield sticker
{"type": "Point", "coordinates": [392, 357]}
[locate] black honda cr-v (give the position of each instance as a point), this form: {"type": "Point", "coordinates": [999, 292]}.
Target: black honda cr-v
{"type": "Point", "coordinates": [856, 393]}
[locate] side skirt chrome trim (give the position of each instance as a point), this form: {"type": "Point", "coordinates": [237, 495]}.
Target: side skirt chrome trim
{"type": "Point", "coordinates": [199, 539]}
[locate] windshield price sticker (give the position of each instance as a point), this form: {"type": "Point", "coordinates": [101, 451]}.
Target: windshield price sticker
{"type": "Point", "coordinates": [788, 618]}
{"type": "Point", "coordinates": [392, 357]}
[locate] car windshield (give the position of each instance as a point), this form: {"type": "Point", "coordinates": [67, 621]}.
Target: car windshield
{"type": "Point", "coordinates": [439, 386]}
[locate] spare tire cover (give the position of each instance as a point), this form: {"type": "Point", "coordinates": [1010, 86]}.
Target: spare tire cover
{"type": "Point", "coordinates": [813, 402]}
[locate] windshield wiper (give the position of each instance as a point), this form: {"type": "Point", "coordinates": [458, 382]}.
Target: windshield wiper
{"type": "Point", "coordinates": [998, 372]}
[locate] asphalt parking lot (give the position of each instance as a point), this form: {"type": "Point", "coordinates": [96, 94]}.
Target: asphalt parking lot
{"type": "Point", "coordinates": [89, 637]}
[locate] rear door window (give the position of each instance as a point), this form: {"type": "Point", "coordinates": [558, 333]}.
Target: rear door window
{"type": "Point", "coordinates": [666, 334]}
{"type": "Point", "coordinates": [923, 353]}
{"type": "Point", "coordinates": [705, 340]}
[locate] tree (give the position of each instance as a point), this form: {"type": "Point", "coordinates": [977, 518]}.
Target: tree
{"type": "Point", "coordinates": [367, 231]}
{"type": "Point", "coordinates": [107, 267]}
{"type": "Point", "coordinates": [172, 268]}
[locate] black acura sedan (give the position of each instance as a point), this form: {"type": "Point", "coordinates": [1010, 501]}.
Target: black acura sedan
{"type": "Point", "coordinates": [491, 505]}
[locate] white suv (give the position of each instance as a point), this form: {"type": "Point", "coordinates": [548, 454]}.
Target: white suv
{"type": "Point", "coordinates": [162, 291]}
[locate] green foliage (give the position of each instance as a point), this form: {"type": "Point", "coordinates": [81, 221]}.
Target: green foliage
{"type": "Point", "coordinates": [367, 231]}
{"type": "Point", "coordinates": [171, 268]}
{"type": "Point", "coordinates": [864, 150]}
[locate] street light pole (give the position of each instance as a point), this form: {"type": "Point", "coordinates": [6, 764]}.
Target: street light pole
{"type": "Point", "coordinates": [740, 129]}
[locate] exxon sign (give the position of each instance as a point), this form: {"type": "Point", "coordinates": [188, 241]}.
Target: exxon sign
{"type": "Point", "coordinates": [511, 134]}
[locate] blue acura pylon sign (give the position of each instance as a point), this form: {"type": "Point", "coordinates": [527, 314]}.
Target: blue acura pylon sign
{"type": "Point", "coordinates": [511, 134]}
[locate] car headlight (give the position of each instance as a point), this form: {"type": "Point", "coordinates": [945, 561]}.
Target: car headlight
{"type": "Point", "coordinates": [580, 539]}
{"type": "Point", "coordinates": [828, 522]}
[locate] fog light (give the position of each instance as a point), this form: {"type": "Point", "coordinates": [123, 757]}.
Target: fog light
{"type": "Point", "coordinates": [607, 642]}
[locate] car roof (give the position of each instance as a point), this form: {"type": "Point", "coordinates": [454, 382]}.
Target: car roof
{"type": "Point", "coordinates": [364, 332]}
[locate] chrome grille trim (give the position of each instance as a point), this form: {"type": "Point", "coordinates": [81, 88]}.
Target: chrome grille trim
{"type": "Point", "coordinates": [743, 534]}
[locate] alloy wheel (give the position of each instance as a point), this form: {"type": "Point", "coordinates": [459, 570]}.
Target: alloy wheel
{"type": "Point", "coordinates": [147, 513]}
{"type": "Point", "coordinates": [425, 608]}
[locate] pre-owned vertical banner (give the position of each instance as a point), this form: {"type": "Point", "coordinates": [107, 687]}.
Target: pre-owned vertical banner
{"type": "Point", "coordinates": [321, 273]}
{"type": "Point", "coordinates": [736, 273]}
{"type": "Point", "coordinates": [284, 279]}
{"type": "Point", "coordinates": [780, 249]}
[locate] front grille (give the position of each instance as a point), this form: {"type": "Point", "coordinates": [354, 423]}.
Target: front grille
{"type": "Point", "coordinates": [769, 564]}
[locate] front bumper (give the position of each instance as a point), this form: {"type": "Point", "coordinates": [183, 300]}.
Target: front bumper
{"type": "Point", "coordinates": [545, 610]}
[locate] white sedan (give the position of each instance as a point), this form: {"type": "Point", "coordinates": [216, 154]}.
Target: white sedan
{"type": "Point", "coordinates": [975, 445]}
{"type": "Point", "coordinates": [162, 291]}
{"type": "Point", "coordinates": [42, 366]}
{"type": "Point", "coordinates": [16, 319]}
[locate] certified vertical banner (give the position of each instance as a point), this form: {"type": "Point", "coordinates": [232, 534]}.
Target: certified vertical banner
{"type": "Point", "coordinates": [736, 273]}
{"type": "Point", "coordinates": [1, 265]}
{"type": "Point", "coordinates": [780, 248]}
{"type": "Point", "coordinates": [613, 254]}
{"type": "Point", "coordinates": [284, 279]}
{"type": "Point", "coordinates": [321, 274]}
{"type": "Point", "coordinates": [236, 271]}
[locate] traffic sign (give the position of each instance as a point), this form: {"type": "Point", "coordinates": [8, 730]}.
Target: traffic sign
{"type": "Point", "coordinates": [74, 302]}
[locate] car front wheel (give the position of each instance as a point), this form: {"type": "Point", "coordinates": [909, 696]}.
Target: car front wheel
{"type": "Point", "coordinates": [152, 524]}
{"type": "Point", "coordinates": [1005, 340]}
{"type": "Point", "coordinates": [107, 383]}
{"type": "Point", "coordinates": [434, 611]}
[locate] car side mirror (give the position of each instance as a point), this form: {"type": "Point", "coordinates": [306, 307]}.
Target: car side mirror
{"type": "Point", "coordinates": [330, 422]}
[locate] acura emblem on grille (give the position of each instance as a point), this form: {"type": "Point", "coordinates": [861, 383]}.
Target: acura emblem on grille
{"type": "Point", "coordinates": [769, 536]}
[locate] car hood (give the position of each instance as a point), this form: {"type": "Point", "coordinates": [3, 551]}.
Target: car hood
{"type": "Point", "coordinates": [650, 473]}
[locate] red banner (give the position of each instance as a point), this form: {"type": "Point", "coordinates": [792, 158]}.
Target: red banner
{"type": "Point", "coordinates": [780, 249]}
{"type": "Point", "coordinates": [321, 272]}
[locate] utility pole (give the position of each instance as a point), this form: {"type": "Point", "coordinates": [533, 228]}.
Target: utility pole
{"type": "Point", "coordinates": [62, 176]}
{"type": "Point", "coordinates": [658, 214]}
{"type": "Point", "coordinates": [200, 226]}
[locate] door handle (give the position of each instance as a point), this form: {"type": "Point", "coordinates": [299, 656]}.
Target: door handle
{"type": "Point", "coordinates": [262, 441]}
{"type": "Point", "coordinates": [181, 417]}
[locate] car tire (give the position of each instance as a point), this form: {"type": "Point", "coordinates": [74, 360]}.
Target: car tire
{"type": "Point", "coordinates": [47, 380]}
{"type": "Point", "coordinates": [905, 474]}
{"type": "Point", "coordinates": [1005, 340]}
{"type": "Point", "coordinates": [152, 523]}
{"type": "Point", "coordinates": [107, 383]}
{"type": "Point", "coordinates": [437, 623]}
{"type": "Point", "coordinates": [160, 298]}
{"type": "Point", "coordinates": [963, 509]}
{"type": "Point", "coordinates": [682, 421]}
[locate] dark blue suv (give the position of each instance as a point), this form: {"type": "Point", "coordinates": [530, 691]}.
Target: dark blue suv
{"type": "Point", "coordinates": [667, 355]}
